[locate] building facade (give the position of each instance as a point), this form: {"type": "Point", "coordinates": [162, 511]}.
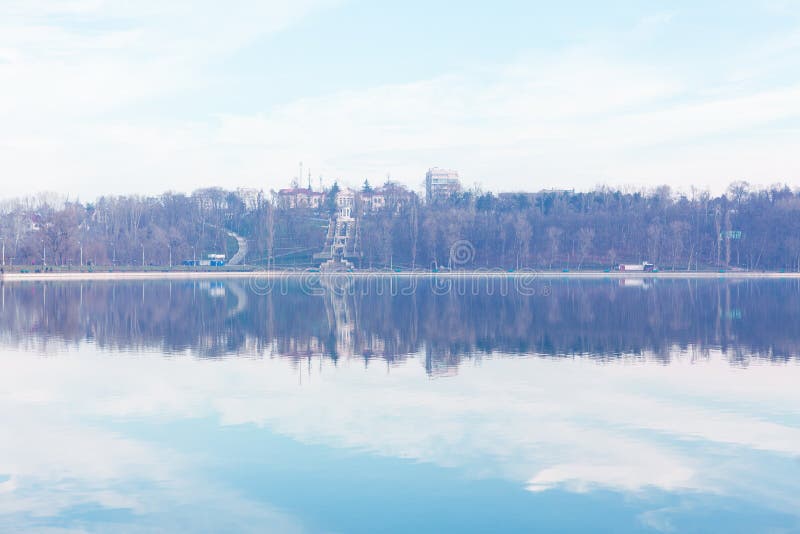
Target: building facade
{"type": "Point", "coordinates": [345, 202]}
{"type": "Point", "coordinates": [441, 184]}
{"type": "Point", "coordinates": [299, 197]}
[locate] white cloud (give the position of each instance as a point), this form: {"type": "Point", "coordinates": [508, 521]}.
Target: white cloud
{"type": "Point", "coordinates": [66, 64]}
{"type": "Point", "coordinates": [577, 119]}
{"type": "Point", "coordinates": [579, 116]}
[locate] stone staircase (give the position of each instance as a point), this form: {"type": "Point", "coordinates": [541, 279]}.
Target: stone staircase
{"type": "Point", "coordinates": [341, 242]}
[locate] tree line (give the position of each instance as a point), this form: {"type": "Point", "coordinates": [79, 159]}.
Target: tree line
{"type": "Point", "coordinates": [744, 228]}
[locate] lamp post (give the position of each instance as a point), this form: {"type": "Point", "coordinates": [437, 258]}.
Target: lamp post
{"type": "Point", "coordinates": [44, 255]}
{"type": "Point", "coordinates": [80, 246]}
{"type": "Point", "coordinates": [143, 256]}
{"type": "Point", "coordinates": [170, 256]}
{"type": "Point", "coordinates": [4, 250]}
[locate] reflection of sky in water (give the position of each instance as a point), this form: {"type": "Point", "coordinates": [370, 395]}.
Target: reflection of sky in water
{"type": "Point", "coordinates": [99, 440]}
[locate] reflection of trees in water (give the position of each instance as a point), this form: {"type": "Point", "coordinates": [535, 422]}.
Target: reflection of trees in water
{"type": "Point", "coordinates": [600, 319]}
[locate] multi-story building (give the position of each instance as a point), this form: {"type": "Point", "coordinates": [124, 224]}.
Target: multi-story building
{"type": "Point", "coordinates": [345, 202]}
{"type": "Point", "coordinates": [299, 197]}
{"type": "Point", "coordinates": [349, 202]}
{"type": "Point", "coordinates": [440, 184]}
{"type": "Point", "coordinates": [373, 200]}
{"type": "Point", "coordinates": [391, 196]}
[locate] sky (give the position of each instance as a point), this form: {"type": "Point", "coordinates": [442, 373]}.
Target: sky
{"type": "Point", "coordinates": [119, 97]}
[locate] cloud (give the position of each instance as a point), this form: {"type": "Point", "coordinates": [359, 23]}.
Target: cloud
{"type": "Point", "coordinates": [576, 119]}
{"type": "Point", "coordinates": [88, 88]}
{"type": "Point", "coordinates": [74, 76]}
{"type": "Point", "coordinates": [632, 476]}
{"type": "Point", "coordinates": [78, 61]}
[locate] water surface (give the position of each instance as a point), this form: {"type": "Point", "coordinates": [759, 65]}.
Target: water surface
{"type": "Point", "coordinates": [400, 405]}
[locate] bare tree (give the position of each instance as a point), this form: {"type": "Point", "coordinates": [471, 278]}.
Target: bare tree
{"type": "Point", "coordinates": [554, 236]}
{"type": "Point", "coordinates": [524, 232]}
{"type": "Point", "coordinates": [585, 240]}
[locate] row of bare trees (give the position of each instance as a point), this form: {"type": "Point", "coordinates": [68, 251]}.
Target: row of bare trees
{"type": "Point", "coordinates": [744, 228]}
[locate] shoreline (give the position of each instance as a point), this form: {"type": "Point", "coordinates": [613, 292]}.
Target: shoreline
{"type": "Point", "coordinates": [221, 275]}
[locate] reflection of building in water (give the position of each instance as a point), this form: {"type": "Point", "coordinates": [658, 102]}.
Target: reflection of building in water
{"type": "Point", "coordinates": [341, 316]}
{"type": "Point", "coordinates": [641, 283]}
{"type": "Point", "coordinates": [214, 289]}
{"type": "Point", "coordinates": [341, 308]}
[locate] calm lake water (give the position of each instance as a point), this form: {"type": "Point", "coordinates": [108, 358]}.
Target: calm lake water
{"type": "Point", "coordinates": [400, 406]}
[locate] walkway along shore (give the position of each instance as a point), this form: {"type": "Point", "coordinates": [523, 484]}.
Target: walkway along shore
{"type": "Point", "coordinates": [206, 275]}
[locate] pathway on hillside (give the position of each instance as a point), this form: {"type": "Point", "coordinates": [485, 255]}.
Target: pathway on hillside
{"type": "Point", "coordinates": [238, 258]}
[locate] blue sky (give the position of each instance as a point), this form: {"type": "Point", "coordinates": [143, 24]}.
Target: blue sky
{"type": "Point", "coordinates": [102, 97]}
